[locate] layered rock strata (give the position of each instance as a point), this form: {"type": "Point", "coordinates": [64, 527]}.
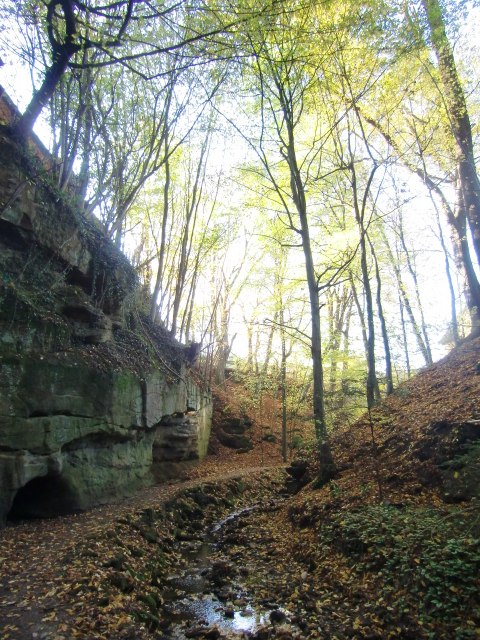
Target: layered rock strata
{"type": "Point", "coordinates": [94, 401]}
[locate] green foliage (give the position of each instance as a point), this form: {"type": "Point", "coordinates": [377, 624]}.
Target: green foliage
{"type": "Point", "coordinates": [425, 554]}
{"type": "Point", "coordinates": [297, 441]}
{"type": "Point", "coordinates": [401, 392]}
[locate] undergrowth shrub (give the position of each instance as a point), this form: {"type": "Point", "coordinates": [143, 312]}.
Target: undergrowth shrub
{"type": "Point", "coordinates": [422, 557]}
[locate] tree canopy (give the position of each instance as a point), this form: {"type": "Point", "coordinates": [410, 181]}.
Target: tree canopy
{"type": "Point", "coordinates": [295, 182]}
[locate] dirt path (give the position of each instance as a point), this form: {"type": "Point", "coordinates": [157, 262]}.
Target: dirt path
{"type": "Point", "coordinates": [31, 553]}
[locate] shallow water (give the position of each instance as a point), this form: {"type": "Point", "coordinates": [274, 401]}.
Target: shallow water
{"type": "Point", "coordinates": [189, 594]}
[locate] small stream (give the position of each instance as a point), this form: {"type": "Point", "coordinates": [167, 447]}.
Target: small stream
{"type": "Point", "coordinates": [196, 593]}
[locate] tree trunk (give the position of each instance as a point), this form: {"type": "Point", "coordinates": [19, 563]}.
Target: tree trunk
{"type": "Point", "coordinates": [327, 465]}
{"type": "Point", "coordinates": [191, 208]}
{"type": "Point", "coordinates": [54, 73]}
{"type": "Point", "coordinates": [85, 166]}
{"type": "Point", "coordinates": [372, 382]}
{"type": "Point", "coordinates": [158, 282]}
{"type": "Point", "coordinates": [406, 301]}
{"type": "Point", "coordinates": [413, 273]}
{"type": "Point", "coordinates": [188, 315]}
{"type": "Point", "coordinates": [404, 334]}
{"type": "Point", "coordinates": [448, 274]}
{"type": "Point", "coordinates": [331, 340]}
{"type": "Point", "coordinates": [473, 300]}
{"type": "Point", "coordinates": [383, 324]}
{"type": "Point", "coordinates": [364, 332]}
{"type": "Point", "coordinates": [346, 350]}
{"type": "Point", "coordinates": [338, 305]}
{"type": "Point", "coordinates": [223, 348]}
{"type": "Point", "coordinates": [455, 102]}
{"type": "Point", "coordinates": [268, 354]}
{"type": "Point", "coordinates": [283, 373]}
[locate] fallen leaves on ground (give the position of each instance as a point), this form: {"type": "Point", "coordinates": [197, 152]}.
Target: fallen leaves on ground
{"type": "Point", "coordinates": [377, 553]}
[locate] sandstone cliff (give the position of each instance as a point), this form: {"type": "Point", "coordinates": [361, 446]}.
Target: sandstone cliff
{"type": "Point", "coordinates": [94, 401]}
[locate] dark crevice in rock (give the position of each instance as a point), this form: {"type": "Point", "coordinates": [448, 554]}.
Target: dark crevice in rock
{"type": "Point", "coordinates": [77, 278]}
{"type": "Point", "coordinates": [66, 413]}
{"type": "Point", "coordinates": [81, 313]}
{"type": "Point", "coordinates": [97, 441]}
{"type": "Point", "coordinates": [43, 497]}
{"type": "Point", "coordinates": [13, 237]}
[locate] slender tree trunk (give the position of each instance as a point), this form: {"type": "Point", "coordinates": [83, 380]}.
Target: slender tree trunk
{"type": "Point", "coordinates": [255, 353]}
{"type": "Point", "coordinates": [250, 347]}
{"type": "Point", "coordinates": [327, 466]}
{"type": "Point", "coordinates": [338, 305]}
{"type": "Point", "coordinates": [331, 340]}
{"type": "Point", "coordinates": [405, 298]}
{"type": "Point", "coordinates": [383, 324]}
{"type": "Point", "coordinates": [191, 208]}
{"type": "Point", "coordinates": [346, 349]}
{"type": "Point", "coordinates": [190, 312]}
{"type": "Point", "coordinates": [297, 191]}
{"type": "Point", "coordinates": [413, 273]}
{"type": "Point", "coordinates": [364, 333]}
{"type": "Point", "coordinates": [268, 354]}
{"type": "Point", "coordinates": [249, 330]}
{"type": "Point", "coordinates": [81, 115]}
{"type": "Point", "coordinates": [182, 267]}
{"type": "Point", "coordinates": [360, 314]}
{"type": "Point", "coordinates": [404, 334]}
{"type": "Point", "coordinates": [372, 382]}
{"type": "Point", "coordinates": [283, 373]}
{"type": "Point", "coordinates": [158, 282]}
{"type": "Point", "coordinates": [223, 349]}
{"type": "Point", "coordinates": [448, 273]}
{"type": "Point", "coordinates": [84, 168]}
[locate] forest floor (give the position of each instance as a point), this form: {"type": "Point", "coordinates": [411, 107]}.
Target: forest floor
{"type": "Point", "coordinates": [390, 548]}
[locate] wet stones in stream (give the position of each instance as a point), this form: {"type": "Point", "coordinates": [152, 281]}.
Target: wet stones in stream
{"type": "Point", "coordinates": [195, 573]}
{"type": "Point", "coordinates": [207, 585]}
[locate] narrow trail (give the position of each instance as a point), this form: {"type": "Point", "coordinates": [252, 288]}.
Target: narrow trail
{"type": "Point", "coordinates": [31, 552]}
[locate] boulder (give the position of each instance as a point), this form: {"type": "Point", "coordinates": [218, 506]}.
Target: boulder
{"type": "Point", "coordinates": [299, 476]}
{"type": "Point", "coordinates": [181, 440]}
{"type": "Point", "coordinates": [298, 468]}
{"type": "Point", "coordinates": [234, 426]}
{"type": "Point", "coordinates": [234, 441]}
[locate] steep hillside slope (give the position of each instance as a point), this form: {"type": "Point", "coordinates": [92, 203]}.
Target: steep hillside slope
{"type": "Point", "coordinates": [418, 431]}
{"type": "Point", "coordinates": [391, 547]}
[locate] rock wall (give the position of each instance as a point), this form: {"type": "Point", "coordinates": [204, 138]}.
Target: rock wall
{"type": "Point", "coordinates": [94, 401]}
{"type": "Point", "coordinates": [92, 434]}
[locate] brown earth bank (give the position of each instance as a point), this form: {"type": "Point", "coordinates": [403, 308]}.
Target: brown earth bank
{"type": "Point", "coordinates": [390, 548]}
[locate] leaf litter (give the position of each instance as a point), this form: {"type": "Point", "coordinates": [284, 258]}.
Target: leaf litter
{"type": "Point", "coordinates": [383, 551]}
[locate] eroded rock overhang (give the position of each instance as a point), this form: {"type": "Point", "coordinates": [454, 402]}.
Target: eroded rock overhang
{"type": "Point", "coordinates": [95, 402]}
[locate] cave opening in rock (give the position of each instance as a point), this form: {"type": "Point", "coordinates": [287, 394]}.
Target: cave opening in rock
{"type": "Point", "coordinates": [43, 497]}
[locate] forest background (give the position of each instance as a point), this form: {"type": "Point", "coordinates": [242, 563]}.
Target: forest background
{"type": "Point", "coordinates": [295, 182]}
